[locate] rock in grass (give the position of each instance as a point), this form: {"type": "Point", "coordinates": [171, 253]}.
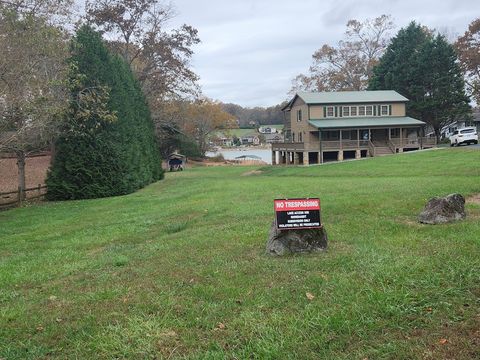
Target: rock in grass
{"type": "Point", "coordinates": [295, 241]}
{"type": "Point", "coordinates": [441, 210]}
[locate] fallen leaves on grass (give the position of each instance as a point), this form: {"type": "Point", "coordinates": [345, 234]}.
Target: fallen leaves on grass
{"type": "Point", "coordinates": [220, 326]}
{"type": "Point", "coordinates": [443, 341]}
{"type": "Point", "coordinates": [310, 296]}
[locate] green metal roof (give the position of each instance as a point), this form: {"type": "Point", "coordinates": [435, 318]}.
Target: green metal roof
{"type": "Point", "coordinates": [343, 97]}
{"type": "Point", "coordinates": [365, 122]}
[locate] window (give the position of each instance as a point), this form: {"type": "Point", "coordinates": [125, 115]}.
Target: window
{"type": "Point", "coordinates": [369, 110]}
{"type": "Point", "coordinates": [361, 111]}
{"type": "Point", "coordinates": [384, 110]}
{"type": "Point", "coordinates": [293, 137]}
{"type": "Point", "coordinates": [330, 111]}
{"type": "Point", "coordinates": [467, 131]}
{"type": "Point", "coordinates": [299, 115]}
{"type": "Point", "coordinates": [346, 111]}
{"type": "Point", "coordinates": [353, 111]}
{"type": "Point", "coordinates": [300, 137]}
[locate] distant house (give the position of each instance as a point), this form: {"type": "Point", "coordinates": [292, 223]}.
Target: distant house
{"type": "Point", "coordinates": [267, 130]}
{"type": "Point", "coordinates": [448, 130]}
{"type": "Point", "coordinates": [347, 124]}
{"type": "Point", "coordinates": [273, 138]}
{"type": "Point", "coordinates": [250, 140]}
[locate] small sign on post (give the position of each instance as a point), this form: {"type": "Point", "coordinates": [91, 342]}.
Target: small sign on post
{"type": "Point", "coordinates": [297, 213]}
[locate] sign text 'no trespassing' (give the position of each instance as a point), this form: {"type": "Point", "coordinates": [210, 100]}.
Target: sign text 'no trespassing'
{"type": "Point", "coordinates": [297, 213]}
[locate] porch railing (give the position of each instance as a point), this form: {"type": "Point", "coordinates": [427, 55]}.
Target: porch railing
{"type": "Point", "coordinates": [344, 144]}
{"type": "Point", "coordinates": [371, 148]}
{"type": "Point", "coordinates": [420, 141]}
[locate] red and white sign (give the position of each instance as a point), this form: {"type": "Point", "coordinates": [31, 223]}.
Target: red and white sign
{"type": "Point", "coordinates": [296, 204]}
{"type": "Point", "coordinates": [297, 213]}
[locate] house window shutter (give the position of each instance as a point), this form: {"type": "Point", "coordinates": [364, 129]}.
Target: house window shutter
{"type": "Point", "coordinates": [324, 111]}
{"type": "Point", "coordinates": [389, 109]}
{"type": "Point", "coordinates": [336, 111]}
{"type": "Point", "coordinates": [374, 110]}
{"type": "Point", "coordinates": [340, 110]}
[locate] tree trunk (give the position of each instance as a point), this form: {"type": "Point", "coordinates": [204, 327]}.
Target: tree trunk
{"type": "Point", "coordinates": [21, 175]}
{"type": "Point", "coordinates": [437, 134]}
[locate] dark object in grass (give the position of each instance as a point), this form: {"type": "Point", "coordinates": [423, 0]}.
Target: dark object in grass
{"type": "Point", "coordinates": [441, 210]}
{"type": "Point", "coordinates": [295, 241]}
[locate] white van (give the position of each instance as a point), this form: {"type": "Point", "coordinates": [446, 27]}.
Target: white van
{"type": "Point", "coordinates": [466, 135]}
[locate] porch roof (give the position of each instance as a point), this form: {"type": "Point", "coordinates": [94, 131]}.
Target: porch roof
{"type": "Point", "coordinates": [366, 122]}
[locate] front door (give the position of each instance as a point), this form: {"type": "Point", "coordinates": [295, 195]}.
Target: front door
{"type": "Point", "coordinates": [379, 135]}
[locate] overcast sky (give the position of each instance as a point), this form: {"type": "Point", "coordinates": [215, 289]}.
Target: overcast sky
{"type": "Point", "coordinates": [252, 49]}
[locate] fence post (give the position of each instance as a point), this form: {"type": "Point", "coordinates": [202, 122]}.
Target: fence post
{"type": "Point", "coordinates": [19, 196]}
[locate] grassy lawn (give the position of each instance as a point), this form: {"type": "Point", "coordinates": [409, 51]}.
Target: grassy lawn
{"type": "Point", "coordinates": [178, 269]}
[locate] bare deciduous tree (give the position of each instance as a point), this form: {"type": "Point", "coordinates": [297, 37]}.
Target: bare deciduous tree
{"type": "Point", "coordinates": [32, 73]}
{"type": "Point", "coordinates": [468, 50]}
{"type": "Point", "coordinates": [347, 66]}
{"type": "Point", "coordinates": [159, 58]}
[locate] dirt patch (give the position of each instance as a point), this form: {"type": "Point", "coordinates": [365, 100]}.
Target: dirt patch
{"type": "Point", "coordinates": [253, 172]}
{"type": "Point", "coordinates": [473, 199]}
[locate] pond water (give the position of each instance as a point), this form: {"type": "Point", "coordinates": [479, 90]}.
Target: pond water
{"type": "Point", "coordinates": [231, 154]}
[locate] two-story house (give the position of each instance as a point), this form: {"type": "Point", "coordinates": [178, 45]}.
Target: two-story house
{"type": "Point", "coordinates": [342, 125]}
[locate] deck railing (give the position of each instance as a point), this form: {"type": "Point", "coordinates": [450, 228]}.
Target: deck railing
{"type": "Point", "coordinates": [344, 144]}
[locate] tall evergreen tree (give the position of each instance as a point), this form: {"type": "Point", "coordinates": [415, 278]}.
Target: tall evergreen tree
{"type": "Point", "coordinates": [423, 68]}
{"type": "Point", "coordinates": [107, 146]}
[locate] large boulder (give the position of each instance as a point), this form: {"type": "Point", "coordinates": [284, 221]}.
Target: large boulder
{"type": "Point", "coordinates": [441, 210]}
{"type": "Point", "coordinates": [295, 240]}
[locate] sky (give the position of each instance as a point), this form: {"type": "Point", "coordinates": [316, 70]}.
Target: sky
{"type": "Point", "coordinates": [252, 49]}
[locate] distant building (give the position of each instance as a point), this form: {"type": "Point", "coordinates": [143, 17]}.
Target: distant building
{"type": "Point", "coordinates": [347, 124]}
{"type": "Point", "coordinates": [273, 138]}
{"type": "Point", "coordinates": [448, 130]}
{"type": "Point", "coordinates": [267, 130]}
{"type": "Point", "coordinates": [250, 140]}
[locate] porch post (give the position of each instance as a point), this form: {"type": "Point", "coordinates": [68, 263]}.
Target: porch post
{"type": "Point", "coordinates": [320, 155]}
{"type": "Point", "coordinates": [358, 138]}
{"type": "Point", "coordinates": [389, 134]}
{"type": "Point", "coordinates": [295, 158]}
{"type": "Point", "coordinates": [400, 149]}
{"type": "Point", "coordinates": [341, 145]}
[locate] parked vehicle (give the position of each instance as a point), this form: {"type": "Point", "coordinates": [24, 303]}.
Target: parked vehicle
{"type": "Point", "coordinates": [466, 135]}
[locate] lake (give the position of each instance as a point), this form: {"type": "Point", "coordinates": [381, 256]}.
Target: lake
{"type": "Point", "coordinates": [231, 154]}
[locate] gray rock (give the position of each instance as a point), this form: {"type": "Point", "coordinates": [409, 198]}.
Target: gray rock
{"type": "Point", "coordinates": [441, 210]}
{"type": "Point", "coordinates": [295, 241]}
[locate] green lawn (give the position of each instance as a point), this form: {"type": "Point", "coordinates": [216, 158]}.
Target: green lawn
{"type": "Point", "coordinates": [178, 269]}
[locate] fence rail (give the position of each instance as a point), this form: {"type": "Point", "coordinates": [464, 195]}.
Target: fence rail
{"type": "Point", "coordinates": [15, 198]}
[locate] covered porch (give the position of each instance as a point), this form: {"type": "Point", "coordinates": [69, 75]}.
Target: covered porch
{"type": "Point", "coordinates": [333, 142]}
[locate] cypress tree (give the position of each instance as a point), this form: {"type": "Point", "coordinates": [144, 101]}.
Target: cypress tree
{"type": "Point", "coordinates": [107, 146]}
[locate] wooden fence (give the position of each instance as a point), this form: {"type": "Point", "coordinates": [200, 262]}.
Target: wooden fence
{"type": "Point", "coordinates": [15, 198]}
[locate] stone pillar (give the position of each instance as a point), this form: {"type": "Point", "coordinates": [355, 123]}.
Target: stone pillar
{"type": "Point", "coordinates": [305, 158]}
{"type": "Point", "coordinates": [358, 154]}
{"type": "Point", "coordinates": [400, 150]}
{"type": "Point", "coordinates": [340, 155]}
{"type": "Point", "coordinates": [295, 158]}
{"type": "Point", "coordinates": [287, 158]}
{"type": "Point", "coordinates": [319, 157]}
{"type": "Point", "coordinates": [277, 157]}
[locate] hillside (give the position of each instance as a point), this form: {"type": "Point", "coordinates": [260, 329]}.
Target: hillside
{"type": "Point", "coordinates": [178, 270]}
